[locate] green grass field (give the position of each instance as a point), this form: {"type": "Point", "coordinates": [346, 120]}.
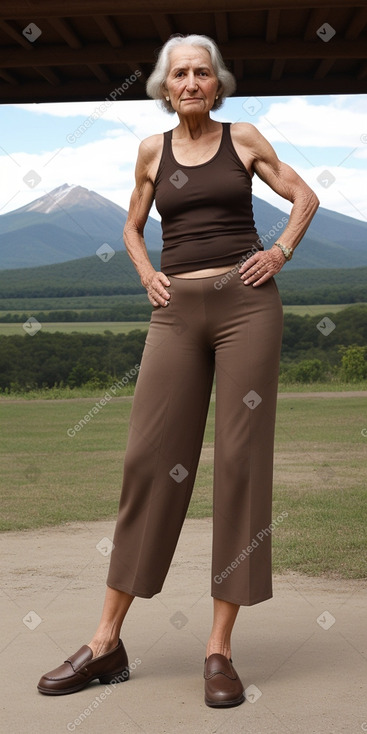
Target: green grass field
{"type": "Point", "coordinates": [51, 478]}
{"type": "Point", "coordinates": [87, 327]}
{"type": "Point", "coordinates": [314, 309]}
{"type": "Point", "coordinates": [118, 327]}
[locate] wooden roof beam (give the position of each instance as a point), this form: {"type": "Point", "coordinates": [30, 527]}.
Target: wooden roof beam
{"type": "Point", "coordinates": [45, 8]}
{"type": "Point", "coordinates": [164, 25]}
{"type": "Point", "coordinates": [317, 17]}
{"type": "Point", "coordinates": [357, 24]}
{"type": "Point", "coordinates": [138, 67]}
{"type": "Point", "coordinates": [108, 27]}
{"type": "Point", "coordinates": [296, 85]}
{"type": "Point", "coordinates": [324, 68]}
{"type": "Point", "coordinates": [8, 77]}
{"type": "Point", "coordinates": [272, 25]}
{"type": "Point", "coordinates": [238, 69]}
{"type": "Point", "coordinates": [113, 36]}
{"type": "Point", "coordinates": [92, 89]}
{"type": "Point", "coordinates": [362, 73]}
{"type": "Point", "coordinates": [100, 53]}
{"type": "Point", "coordinates": [65, 31]}
{"type": "Point", "coordinates": [292, 48]}
{"type": "Point", "coordinates": [221, 27]}
{"type": "Point", "coordinates": [49, 75]}
{"type": "Point", "coordinates": [15, 35]}
{"type": "Point", "coordinates": [98, 72]}
{"type": "Point", "coordinates": [277, 69]}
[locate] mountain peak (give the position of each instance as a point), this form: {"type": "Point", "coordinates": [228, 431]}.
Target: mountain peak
{"type": "Point", "coordinates": [66, 223]}
{"type": "Point", "coordinates": [63, 196]}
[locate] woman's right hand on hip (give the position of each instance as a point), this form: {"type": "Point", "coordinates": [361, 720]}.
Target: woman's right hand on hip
{"type": "Point", "coordinates": [156, 285]}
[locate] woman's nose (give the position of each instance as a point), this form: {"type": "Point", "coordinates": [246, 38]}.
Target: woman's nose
{"type": "Point", "coordinates": [191, 83]}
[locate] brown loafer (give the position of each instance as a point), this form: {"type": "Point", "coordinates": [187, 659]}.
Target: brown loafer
{"type": "Point", "coordinates": [81, 668]}
{"type": "Point", "coordinates": [222, 684]}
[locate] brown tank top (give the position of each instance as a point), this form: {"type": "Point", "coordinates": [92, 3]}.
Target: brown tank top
{"type": "Point", "coordinates": [206, 210]}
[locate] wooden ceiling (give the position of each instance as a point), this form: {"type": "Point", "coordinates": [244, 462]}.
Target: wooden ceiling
{"type": "Point", "coordinates": [60, 50]}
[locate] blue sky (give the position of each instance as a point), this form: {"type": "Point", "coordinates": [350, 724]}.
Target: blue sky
{"type": "Point", "coordinates": [95, 145]}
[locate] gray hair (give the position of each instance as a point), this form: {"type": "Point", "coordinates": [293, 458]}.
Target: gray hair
{"type": "Point", "coordinates": [154, 85]}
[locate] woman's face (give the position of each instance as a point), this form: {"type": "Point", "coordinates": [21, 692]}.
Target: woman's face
{"type": "Point", "coordinates": [191, 83]}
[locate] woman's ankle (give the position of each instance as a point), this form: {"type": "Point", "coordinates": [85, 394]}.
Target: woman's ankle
{"type": "Point", "coordinates": [100, 646]}
{"type": "Point", "coordinates": [218, 647]}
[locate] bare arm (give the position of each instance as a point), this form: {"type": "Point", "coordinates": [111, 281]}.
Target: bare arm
{"type": "Point", "coordinates": [288, 184]}
{"type": "Point", "coordinates": [140, 204]}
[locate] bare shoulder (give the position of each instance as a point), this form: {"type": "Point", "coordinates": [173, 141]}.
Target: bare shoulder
{"type": "Point", "coordinates": [245, 133]}
{"type": "Point", "coordinates": [250, 145]}
{"type": "Point", "coordinates": [149, 147]}
{"type": "Point", "coordinates": [247, 137]}
{"type": "Point", "coordinates": [150, 151]}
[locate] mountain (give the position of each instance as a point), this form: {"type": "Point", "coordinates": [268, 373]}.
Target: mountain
{"type": "Point", "coordinates": [72, 222]}
{"type": "Point", "coordinates": [332, 240]}
{"type": "Point", "coordinates": [90, 279]}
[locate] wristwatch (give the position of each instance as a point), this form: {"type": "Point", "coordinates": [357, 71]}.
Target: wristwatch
{"type": "Point", "coordinates": [287, 251]}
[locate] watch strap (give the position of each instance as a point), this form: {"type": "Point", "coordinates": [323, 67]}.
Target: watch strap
{"type": "Point", "coordinates": [287, 251]}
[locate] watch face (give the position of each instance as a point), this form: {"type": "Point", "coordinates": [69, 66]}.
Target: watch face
{"type": "Point", "coordinates": [287, 252]}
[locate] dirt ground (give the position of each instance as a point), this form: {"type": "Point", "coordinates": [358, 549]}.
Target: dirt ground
{"type": "Point", "coordinates": [301, 655]}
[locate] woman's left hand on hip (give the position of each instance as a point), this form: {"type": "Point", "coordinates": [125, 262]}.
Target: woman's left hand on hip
{"type": "Point", "coordinates": [262, 266]}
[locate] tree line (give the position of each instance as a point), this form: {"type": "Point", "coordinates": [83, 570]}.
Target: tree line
{"type": "Point", "coordinates": [291, 295]}
{"type": "Point", "coordinates": [90, 276]}
{"type": "Point", "coordinates": [314, 348]}
{"type": "Point", "coordinates": [48, 360]}
{"type": "Point", "coordinates": [126, 312]}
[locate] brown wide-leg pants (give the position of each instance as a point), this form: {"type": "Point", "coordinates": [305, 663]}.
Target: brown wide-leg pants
{"type": "Point", "coordinates": [211, 324]}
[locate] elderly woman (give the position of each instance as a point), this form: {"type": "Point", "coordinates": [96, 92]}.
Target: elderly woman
{"type": "Point", "coordinates": [216, 310]}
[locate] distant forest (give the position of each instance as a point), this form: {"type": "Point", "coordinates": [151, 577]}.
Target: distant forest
{"type": "Point", "coordinates": [90, 277]}
{"type": "Point", "coordinates": [313, 349]}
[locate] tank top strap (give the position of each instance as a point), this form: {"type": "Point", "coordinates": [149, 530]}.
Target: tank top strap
{"type": "Point", "coordinates": [226, 143]}
{"type": "Point", "coordinates": [167, 138]}
{"type": "Point", "coordinates": [165, 156]}
{"type": "Point", "coordinates": [227, 138]}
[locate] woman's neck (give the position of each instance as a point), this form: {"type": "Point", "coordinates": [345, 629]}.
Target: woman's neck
{"type": "Point", "coordinates": [195, 126]}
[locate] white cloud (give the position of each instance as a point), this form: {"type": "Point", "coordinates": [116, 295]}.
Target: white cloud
{"type": "Point", "coordinates": [145, 117]}
{"type": "Point", "coordinates": [106, 165]}
{"type": "Point", "coordinates": [302, 123]}
{"type": "Point", "coordinates": [345, 194]}
{"type": "Point", "coordinates": [340, 122]}
{"type": "Point", "coordinates": [59, 109]}
{"type": "Point", "coordinates": [362, 153]}
{"type": "Point", "coordinates": [354, 102]}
